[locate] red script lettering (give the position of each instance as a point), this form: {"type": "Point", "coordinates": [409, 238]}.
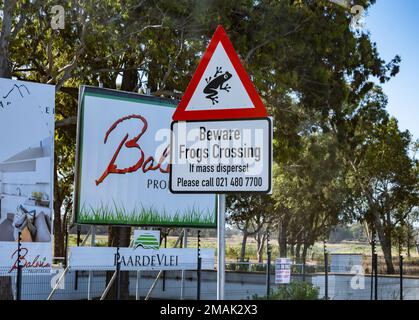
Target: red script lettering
{"type": "Point", "coordinates": [145, 164]}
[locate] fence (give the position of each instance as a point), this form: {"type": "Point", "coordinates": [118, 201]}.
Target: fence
{"type": "Point", "coordinates": [244, 280]}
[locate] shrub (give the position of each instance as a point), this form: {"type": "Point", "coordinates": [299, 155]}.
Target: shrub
{"type": "Point", "coordinates": [296, 290]}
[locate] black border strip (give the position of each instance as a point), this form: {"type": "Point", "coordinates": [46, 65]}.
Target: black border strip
{"type": "Point", "coordinates": [270, 125]}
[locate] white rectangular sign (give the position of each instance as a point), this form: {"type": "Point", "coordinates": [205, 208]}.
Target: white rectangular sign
{"type": "Point", "coordinates": [221, 156]}
{"type": "Point", "coordinates": [283, 270]}
{"type": "Point", "coordinates": [34, 257]}
{"type": "Point", "coordinates": [26, 173]}
{"type": "Point", "coordinates": [101, 258]}
{"type": "Point", "coordinates": [123, 164]}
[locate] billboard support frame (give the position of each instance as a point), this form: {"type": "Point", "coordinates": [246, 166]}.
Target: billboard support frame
{"type": "Point", "coordinates": [221, 246]}
{"type": "Point", "coordinates": [19, 268]}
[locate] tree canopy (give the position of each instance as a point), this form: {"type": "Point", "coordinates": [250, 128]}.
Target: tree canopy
{"type": "Point", "coordinates": [338, 155]}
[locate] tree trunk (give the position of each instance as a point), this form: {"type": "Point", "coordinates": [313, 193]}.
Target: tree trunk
{"type": "Point", "coordinates": [385, 241]}
{"type": "Point", "coordinates": [282, 239]}
{"type": "Point", "coordinates": [6, 288]}
{"type": "Point", "coordinates": [261, 245]}
{"type": "Point", "coordinates": [409, 242]}
{"type": "Point", "coordinates": [298, 249]}
{"type": "Point", "coordinates": [244, 243]}
{"type": "Point", "coordinates": [304, 254]}
{"type": "Point", "coordinates": [59, 250]}
{"type": "Point", "coordinates": [304, 257]}
{"type": "Point", "coordinates": [6, 31]}
{"type": "Point", "coordinates": [386, 247]}
{"type": "Point", "coordinates": [400, 246]}
{"type": "Point", "coordinates": [59, 246]}
{"type": "Point", "coordinates": [129, 77]}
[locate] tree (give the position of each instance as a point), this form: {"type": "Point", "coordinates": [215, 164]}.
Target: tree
{"type": "Point", "coordinates": [309, 192]}
{"type": "Point", "coordinates": [307, 64]}
{"type": "Point", "coordinates": [380, 173]}
{"type": "Point", "coordinates": [253, 215]}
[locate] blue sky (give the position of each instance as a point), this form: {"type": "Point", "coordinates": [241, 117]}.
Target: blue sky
{"type": "Point", "coordinates": [394, 26]}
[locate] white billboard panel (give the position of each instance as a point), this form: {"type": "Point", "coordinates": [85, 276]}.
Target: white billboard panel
{"type": "Point", "coordinates": [26, 173]}
{"type": "Point", "coordinates": [123, 164]}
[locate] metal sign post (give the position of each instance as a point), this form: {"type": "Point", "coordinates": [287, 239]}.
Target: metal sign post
{"type": "Point", "coordinates": [137, 286]}
{"type": "Point", "coordinates": [19, 268]}
{"type": "Point", "coordinates": [89, 283]}
{"type": "Point", "coordinates": [221, 205]}
{"type": "Point", "coordinates": [182, 285]}
{"type": "Point", "coordinates": [268, 266]}
{"type": "Point", "coordinates": [198, 274]}
{"type": "Point", "coordinates": [118, 275]}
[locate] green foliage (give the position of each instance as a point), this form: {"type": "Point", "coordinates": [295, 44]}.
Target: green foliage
{"type": "Point", "coordinates": [332, 135]}
{"type": "Point", "coordinates": [381, 173]}
{"type": "Point", "coordinates": [296, 290]}
{"type": "Point", "coordinates": [309, 191]}
{"type": "Point", "coordinates": [354, 232]}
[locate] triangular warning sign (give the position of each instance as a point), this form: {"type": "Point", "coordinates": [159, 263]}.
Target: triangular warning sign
{"type": "Point", "coordinates": [220, 87]}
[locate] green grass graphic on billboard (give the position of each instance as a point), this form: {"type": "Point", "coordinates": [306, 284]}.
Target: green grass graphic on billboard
{"type": "Point", "coordinates": [105, 214]}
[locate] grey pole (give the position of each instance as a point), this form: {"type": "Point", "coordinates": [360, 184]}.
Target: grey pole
{"type": "Point", "coordinates": [401, 276]}
{"type": "Point", "coordinates": [89, 284]}
{"type": "Point", "coordinates": [93, 243]}
{"type": "Point", "coordinates": [326, 276]}
{"type": "Point", "coordinates": [268, 266]}
{"type": "Point", "coordinates": [372, 261]}
{"type": "Point", "coordinates": [198, 274]}
{"type": "Point", "coordinates": [221, 247]}
{"type": "Point", "coordinates": [118, 274]}
{"type": "Point", "coordinates": [375, 276]}
{"type": "Point", "coordinates": [326, 271]}
{"type": "Point", "coordinates": [137, 286]}
{"type": "Point", "coordinates": [19, 269]}
{"type": "Point", "coordinates": [185, 245]}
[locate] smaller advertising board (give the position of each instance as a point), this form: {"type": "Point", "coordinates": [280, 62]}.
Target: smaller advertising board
{"type": "Point", "coordinates": [135, 259]}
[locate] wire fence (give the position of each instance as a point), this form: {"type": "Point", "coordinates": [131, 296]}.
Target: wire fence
{"type": "Point", "coordinates": [244, 280]}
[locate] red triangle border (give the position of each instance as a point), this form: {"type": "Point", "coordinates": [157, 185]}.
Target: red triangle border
{"type": "Point", "coordinates": [259, 110]}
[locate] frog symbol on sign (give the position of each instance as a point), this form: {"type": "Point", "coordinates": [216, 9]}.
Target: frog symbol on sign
{"type": "Point", "coordinates": [215, 84]}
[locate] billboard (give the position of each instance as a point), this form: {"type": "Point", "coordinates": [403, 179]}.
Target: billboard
{"type": "Point", "coordinates": [26, 174]}
{"type": "Point", "coordinates": [123, 164]}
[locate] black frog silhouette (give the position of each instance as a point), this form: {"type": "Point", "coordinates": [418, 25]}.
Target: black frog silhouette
{"type": "Point", "coordinates": [215, 84]}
